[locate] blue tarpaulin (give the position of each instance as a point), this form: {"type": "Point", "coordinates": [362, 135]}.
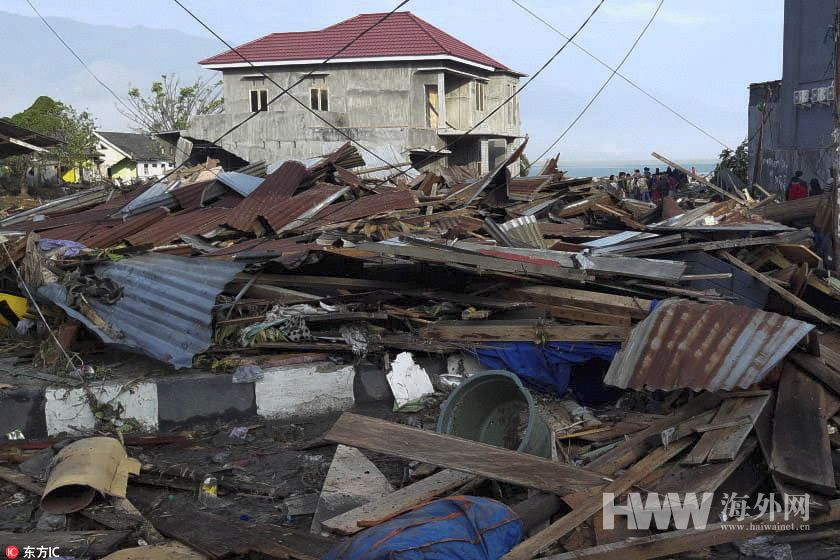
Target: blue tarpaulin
{"type": "Point", "coordinates": [548, 367]}
{"type": "Point", "coordinates": [460, 527]}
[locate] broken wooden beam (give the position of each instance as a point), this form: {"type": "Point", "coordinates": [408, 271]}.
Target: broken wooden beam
{"type": "Point", "coordinates": [380, 510]}
{"type": "Point", "coordinates": [461, 454]}
{"type": "Point", "coordinates": [526, 330]}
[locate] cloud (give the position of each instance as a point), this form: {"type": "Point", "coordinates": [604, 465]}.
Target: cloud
{"type": "Point", "coordinates": [643, 10]}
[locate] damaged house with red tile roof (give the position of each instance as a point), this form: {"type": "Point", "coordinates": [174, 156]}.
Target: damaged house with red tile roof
{"type": "Point", "coordinates": [404, 89]}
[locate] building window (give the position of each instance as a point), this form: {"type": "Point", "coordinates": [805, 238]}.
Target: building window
{"type": "Point", "coordinates": [479, 96]}
{"type": "Point", "coordinates": [154, 166]}
{"type": "Point", "coordinates": [145, 169]}
{"type": "Point", "coordinates": [319, 99]}
{"type": "Point", "coordinates": [259, 100]}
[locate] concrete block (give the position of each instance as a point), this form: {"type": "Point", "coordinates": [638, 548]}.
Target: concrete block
{"type": "Point", "coordinates": [304, 390]}
{"type": "Point", "coordinates": [370, 384]}
{"type": "Point", "coordinates": [351, 481]}
{"type": "Point", "coordinates": [22, 409]}
{"type": "Point", "coordinates": [68, 410]}
{"type": "Point", "coordinates": [197, 397]}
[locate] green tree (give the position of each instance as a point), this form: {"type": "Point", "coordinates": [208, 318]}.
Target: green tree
{"type": "Point", "coordinates": [169, 106]}
{"type": "Point", "coordinates": [736, 161]}
{"type": "Point", "coordinates": [61, 121]}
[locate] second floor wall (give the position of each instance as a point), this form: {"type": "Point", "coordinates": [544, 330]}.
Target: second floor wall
{"type": "Point", "coordinates": [383, 95]}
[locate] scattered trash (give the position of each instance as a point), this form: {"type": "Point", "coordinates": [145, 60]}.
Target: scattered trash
{"type": "Point", "coordinates": [239, 432]}
{"type": "Point", "coordinates": [247, 374]}
{"type": "Point", "coordinates": [15, 435]}
{"type": "Point", "coordinates": [84, 467]}
{"type": "Point", "coordinates": [409, 383]}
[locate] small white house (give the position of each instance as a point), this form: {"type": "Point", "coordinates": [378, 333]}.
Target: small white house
{"type": "Point", "coordinates": [126, 156]}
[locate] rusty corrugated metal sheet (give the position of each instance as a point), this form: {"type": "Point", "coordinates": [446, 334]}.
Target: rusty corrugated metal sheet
{"type": "Point", "coordinates": [189, 196]}
{"type": "Point", "coordinates": [262, 245]}
{"type": "Point", "coordinates": [191, 222]}
{"type": "Point", "coordinates": [299, 210]}
{"type": "Point", "coordinates": [683, 344]}
{"type": "Point", "coordinates": [275, 189]}
{"type": "Point", "coordinates": [112, 232]}
{"type": "Point", "coordinates": [526, 188]}
{"type": "Point", "coordinates": [166, 308]}
{"type": "Point", "coordinates": [366, 206]}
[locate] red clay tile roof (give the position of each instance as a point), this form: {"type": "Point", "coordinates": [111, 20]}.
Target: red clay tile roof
{"type": "Point", "coordinates": [400, 34]}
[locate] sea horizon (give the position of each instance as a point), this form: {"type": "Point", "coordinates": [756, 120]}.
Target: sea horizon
{"type": "Point", "coordinates": [607, 168]}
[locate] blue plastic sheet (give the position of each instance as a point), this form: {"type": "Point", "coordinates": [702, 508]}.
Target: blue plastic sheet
{"type": "Point", "coordinates": [459, 527]}
{"type": "Point", "coordinates": [548, 367]}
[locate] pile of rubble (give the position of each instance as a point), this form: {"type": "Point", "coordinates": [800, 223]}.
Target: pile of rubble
{"type": "Point", "coordinates": [684, 346]}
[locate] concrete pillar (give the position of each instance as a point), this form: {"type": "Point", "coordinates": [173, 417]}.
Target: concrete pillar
{"type": "Point", "coordinates": [485, 155]}
{"type": "Point", "coordinates": [513, 167]}
{"type": "Point", "coordinates": [442, 101]}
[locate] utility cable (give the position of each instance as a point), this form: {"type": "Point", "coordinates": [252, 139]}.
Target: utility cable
{"type": "Point", "coordinates": [623, 77]}
{"type": "Point", "coordinates": [509, 98]}
{"type": "Point", "coordinates": [284, 91]}
{"type": "Point", "coordinates": [603, 86]}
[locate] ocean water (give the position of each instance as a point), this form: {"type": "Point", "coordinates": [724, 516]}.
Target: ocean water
{"type": "Point", "coordinates": [607, 168]}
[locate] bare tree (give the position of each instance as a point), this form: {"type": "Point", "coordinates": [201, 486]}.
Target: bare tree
{"type": "Point", "coordinates": [169, 106]}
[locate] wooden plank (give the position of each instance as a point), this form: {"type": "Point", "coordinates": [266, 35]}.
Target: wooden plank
{"type": "Point", "coordinates": [593, 504]}
{"type": "Point", "coordinates": [461, 454]}
{"type": "Point", "coordinates": [819, 370]}
{"type": "Point", "coordinates": [380, 510]}
{"type": "Point", "coordinates": [637, 445]}
{"type": "Point", "coordinates": [528, 330]}
{"type": "Point", "coordinates": [585, 315]}
{"type": "Point", "coordinates": [676, 542]}
{"type": "Point", "coordinates": [449, 256]}
{"type": "Point", "coordinates": [801, 447]}
{"type": "Point", "coordinates": [699, 479]}
{"type": "Point", "coordinates": [804, 307]}
{"type": "Point", "coordinates": [710, 245]}
{"type": "Point", "coordinates": [733, 438]}
{"type": "Point", "coordinates": [635, 307]}
{"type": "Point", "coordinates": [738, 416]}
{"type": "Point", "coordinates": [764, 433]}
{"type": "Point", "coordinates": [697, 177]}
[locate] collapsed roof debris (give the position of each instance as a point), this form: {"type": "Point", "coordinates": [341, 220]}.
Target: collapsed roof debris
{"type": "Point", "coordinates": [683, 344]}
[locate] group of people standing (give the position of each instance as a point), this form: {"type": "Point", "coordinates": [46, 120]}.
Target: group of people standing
{"type": "Point", "coordinates": [647, 186]}
{"type": "Point", "coordinates": [797, 187]}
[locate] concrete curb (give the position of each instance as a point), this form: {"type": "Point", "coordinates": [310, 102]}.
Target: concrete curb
{"type": "Point", "coordinates": [167, 402]}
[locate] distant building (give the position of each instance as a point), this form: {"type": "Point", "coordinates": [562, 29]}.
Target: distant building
{"type": "Point", "coordinates": [403, 89]}
{"type": "Point", "coordinates": [125, 156]}
{"type": "Point", "coordinates": [792, 120]}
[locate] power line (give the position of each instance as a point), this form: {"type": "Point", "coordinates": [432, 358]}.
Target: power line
{"type": "Point", "coordinates": [512, 96]}
{"type": "Point", "coordinates": [284, 91]}
{"type": "Point", "coordinates": [623, 77]}
{"type": "Point", "coordinates": [119, 99]}
{"type": "Point", "coordinates": [603, 86]}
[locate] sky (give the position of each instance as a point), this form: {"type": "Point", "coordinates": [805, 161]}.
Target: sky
{"type": "Point", "coordinates": [697, 57]}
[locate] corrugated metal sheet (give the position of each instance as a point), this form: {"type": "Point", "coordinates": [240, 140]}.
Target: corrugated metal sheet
{"type": "Point", "coordinates": [366, 206]}
{"type": "Point", "coordinates": [112, 232]}
{"type": "Point", "coordinates": [166, 308]}
{"type": "Point", "coordinates": [191, 222]}
{"type": "Point", "coordinates": [263, 246]}
{"type": "Point", "coordinates": [526, 230]}
{"type": "Point", "coordinates": [147, 196]}
{"type": "Point", "coordinates": [525, 189]}
{"type": "Point", "coordinates": [275, 189]}
{"type": "Point", "coordinates": [240, 182]}
{"type": "Point", "coordinates": [299, 210]}
{"type": "Point", "coordinates": [719, 216]}
{"type": "Point", "coordinates": [683, 344]}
